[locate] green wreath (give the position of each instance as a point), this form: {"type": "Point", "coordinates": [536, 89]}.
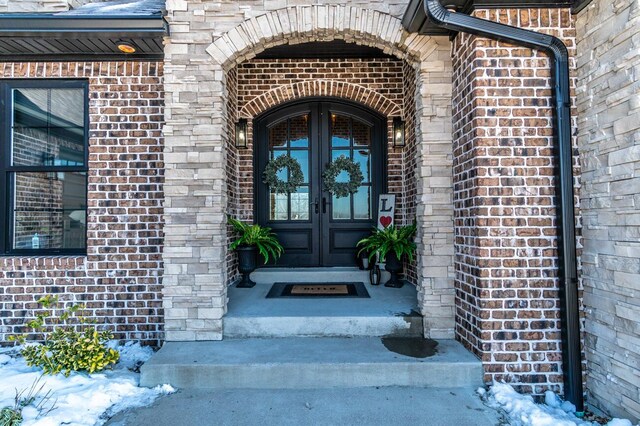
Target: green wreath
{"type": "Point", "coordinates": [277, 185]}
{"type": "Point", "coordinates": [342, 189]}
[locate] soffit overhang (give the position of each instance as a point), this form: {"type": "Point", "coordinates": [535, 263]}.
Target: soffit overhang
{"type": "Point", "coordinates": [89, 33]}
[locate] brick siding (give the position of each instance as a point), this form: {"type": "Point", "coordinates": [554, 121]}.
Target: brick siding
{"type": "Point", "coordinates": [506, 243]}
{"type": "Point", "coordinates": [381, 76]}
{"type": "Point", "coordinates": [376, 83]}
{"type": "Point", "coordinates": [120, 278]}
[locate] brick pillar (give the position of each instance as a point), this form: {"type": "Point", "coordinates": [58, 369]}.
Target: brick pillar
{"type": "Point", "coordinates": [506, 258]}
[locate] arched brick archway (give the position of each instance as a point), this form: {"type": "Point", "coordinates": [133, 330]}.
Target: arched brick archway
{"type": "Point", "coordinates": [201, 112]}
{"type": "Point", "coordinates": [316, 88]}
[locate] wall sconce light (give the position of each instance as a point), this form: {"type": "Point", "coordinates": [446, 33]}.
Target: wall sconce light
{"type": "Point", "coordinates": [241, 133]}
{"type": "Point", "coordinates": [398, 132]}
{"type": "Point", "coordinates": [126, 47]}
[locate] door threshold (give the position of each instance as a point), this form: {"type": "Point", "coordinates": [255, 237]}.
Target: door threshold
{"type": "Point", "coordinates": [308, 268]}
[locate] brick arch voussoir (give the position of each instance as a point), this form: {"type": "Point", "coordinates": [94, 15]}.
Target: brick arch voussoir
{"type": "Point", "coordinates": [320, 88]}
{"type": "Point", "coordinates": [299, 24]}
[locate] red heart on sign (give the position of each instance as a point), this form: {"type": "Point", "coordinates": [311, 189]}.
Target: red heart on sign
{"type": "Point", "coordinates": [385, 221]}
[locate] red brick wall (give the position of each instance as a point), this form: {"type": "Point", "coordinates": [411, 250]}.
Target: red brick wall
{"type": "Point", "coordinates": [390, 88]}
{"type": "Point", "coordinates": [233, 172]}
{"type": "Point", "coordinates": [506, 258]}
{"type": "Point", "coordinates": [409, 158]}
{"type": "Point", "coordinates": [255, 77]}
{"type": "Point", "coordinates": [120, 278]}
{"type": "Point", "coordinates": [265, 83]}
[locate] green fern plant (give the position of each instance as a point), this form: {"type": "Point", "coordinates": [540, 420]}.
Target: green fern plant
{"type": "Point", "coordinates": [257, 236]}
{"type": "Point", "coordinates": [382, 241]}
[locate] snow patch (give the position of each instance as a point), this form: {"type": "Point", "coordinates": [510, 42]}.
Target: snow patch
{"type": "Point", "coordinates": [523, 411]}
{"type": "Point", "coordinates": [620, 422]}
{"type": "Point", "coordinates": [82, 399]}
{"type": "Point", "coordinates": [132, 354]}
{"type": "Point", "coordinates": [4, 359]}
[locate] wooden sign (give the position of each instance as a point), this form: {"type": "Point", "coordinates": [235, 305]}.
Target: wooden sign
{"type": "Point", "coordinates": [386, 210]}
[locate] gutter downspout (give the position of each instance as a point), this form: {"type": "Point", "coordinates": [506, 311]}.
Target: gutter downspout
{"type": "Point", "coordinates": [570, 316]}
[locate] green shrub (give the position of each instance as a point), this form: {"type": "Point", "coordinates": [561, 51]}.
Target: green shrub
{"type": "Point", "coordinates": [79, 347]}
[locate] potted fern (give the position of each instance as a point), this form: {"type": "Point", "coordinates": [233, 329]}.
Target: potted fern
{"type": "Point", "coordinates": [253, 239]}
{"type": "Point", "coordinates": [392, 244]}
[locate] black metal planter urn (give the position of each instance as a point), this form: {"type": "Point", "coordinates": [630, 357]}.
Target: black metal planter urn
{"type": "Point", "coordinates": [394, 266]}
{"type": "Point", "coordinates": [247, 262]}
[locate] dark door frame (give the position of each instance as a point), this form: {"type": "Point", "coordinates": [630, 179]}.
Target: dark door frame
{"type": "Point", "coordinates": [319, 134]}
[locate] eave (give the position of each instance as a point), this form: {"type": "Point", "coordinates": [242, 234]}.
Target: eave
{"type": "Point", "coordinates": [50, 37]}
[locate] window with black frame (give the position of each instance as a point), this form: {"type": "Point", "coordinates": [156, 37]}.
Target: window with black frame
{"type": "Point", "coordinates": [43, 169]}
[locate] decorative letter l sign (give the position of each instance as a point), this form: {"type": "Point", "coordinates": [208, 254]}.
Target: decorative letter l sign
{"type": "Point", "coordinates": [386, 210]}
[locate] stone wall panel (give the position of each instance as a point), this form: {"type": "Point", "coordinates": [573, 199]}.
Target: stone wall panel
{"type": "Point", "coordinates": [608, 42]}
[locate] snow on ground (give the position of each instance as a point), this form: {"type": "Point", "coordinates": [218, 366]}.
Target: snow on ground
{"type": "Point", "coordinates": [82, 399]}
{"type": "Point", "coordinates": [523, 411]}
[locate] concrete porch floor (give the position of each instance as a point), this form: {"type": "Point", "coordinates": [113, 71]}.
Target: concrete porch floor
{"type": "Point", "coordinates": [388, 311]}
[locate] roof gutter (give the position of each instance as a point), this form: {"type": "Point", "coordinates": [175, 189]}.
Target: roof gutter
{"type": "Point", "coordinates": [570, 316]}
{"type": "Point", "coordinates": [43, 24]}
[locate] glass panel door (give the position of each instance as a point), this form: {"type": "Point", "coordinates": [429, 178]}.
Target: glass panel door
{"type": "Point", "coordinates": [291, 137]}
{"type": "Point", "coordinates": [351, 138]}
{"type": "Point", "coordinates": [315, 227]}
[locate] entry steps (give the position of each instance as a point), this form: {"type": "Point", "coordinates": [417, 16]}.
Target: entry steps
{"type": "Point", "coordinates": [388, 311]}
{"type": "Point", "coordinates": [310, 363]}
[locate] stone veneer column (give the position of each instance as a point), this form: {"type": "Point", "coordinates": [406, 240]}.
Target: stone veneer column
{"type": "Point", "coordinates": [434, 204]}
{"type": "Point", "coordinates": [196, 139]}
{"type": "Point", "coordinates": [194, 292]}
{"type": "Point", "coordinates": [608, 35]}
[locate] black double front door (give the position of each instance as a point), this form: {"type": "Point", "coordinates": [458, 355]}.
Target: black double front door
{"type": "Point", "coordinates": [315, 227]}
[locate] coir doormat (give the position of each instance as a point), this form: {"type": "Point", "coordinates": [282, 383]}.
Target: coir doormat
{"type": "Point", "coordinates": [317, 290]}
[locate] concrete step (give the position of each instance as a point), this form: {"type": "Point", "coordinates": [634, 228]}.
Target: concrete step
{"type": "Point", "coordinates": [311, 363]}
{"type": "Point", "coordinates": [388, 311]}
{"type": "Point", "coordinates": [323, 326]}
{"type": "Point", "coordinates": [309, 275]}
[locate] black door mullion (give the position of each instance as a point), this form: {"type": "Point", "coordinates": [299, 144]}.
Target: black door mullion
{"type": "Point", "coordinates": [5, 122]}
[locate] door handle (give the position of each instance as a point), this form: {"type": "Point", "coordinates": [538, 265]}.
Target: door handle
{"type": "Point", "coordinates": [324, 204]}
{"type": "Point", "coordinates": [317, 205]}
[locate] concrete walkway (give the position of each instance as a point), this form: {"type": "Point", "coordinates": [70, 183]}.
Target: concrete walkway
{"type": "Point", "coordinates": [394, 406]}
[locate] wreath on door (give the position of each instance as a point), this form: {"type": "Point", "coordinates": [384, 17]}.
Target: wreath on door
{"type": "Point", "coordinates": [337, 166]}
{"type": "Point", "coordinates": [277, 185]}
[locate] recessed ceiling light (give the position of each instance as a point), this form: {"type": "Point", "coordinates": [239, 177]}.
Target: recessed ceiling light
{"type": "Point", "coordinates": [126, 47]}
